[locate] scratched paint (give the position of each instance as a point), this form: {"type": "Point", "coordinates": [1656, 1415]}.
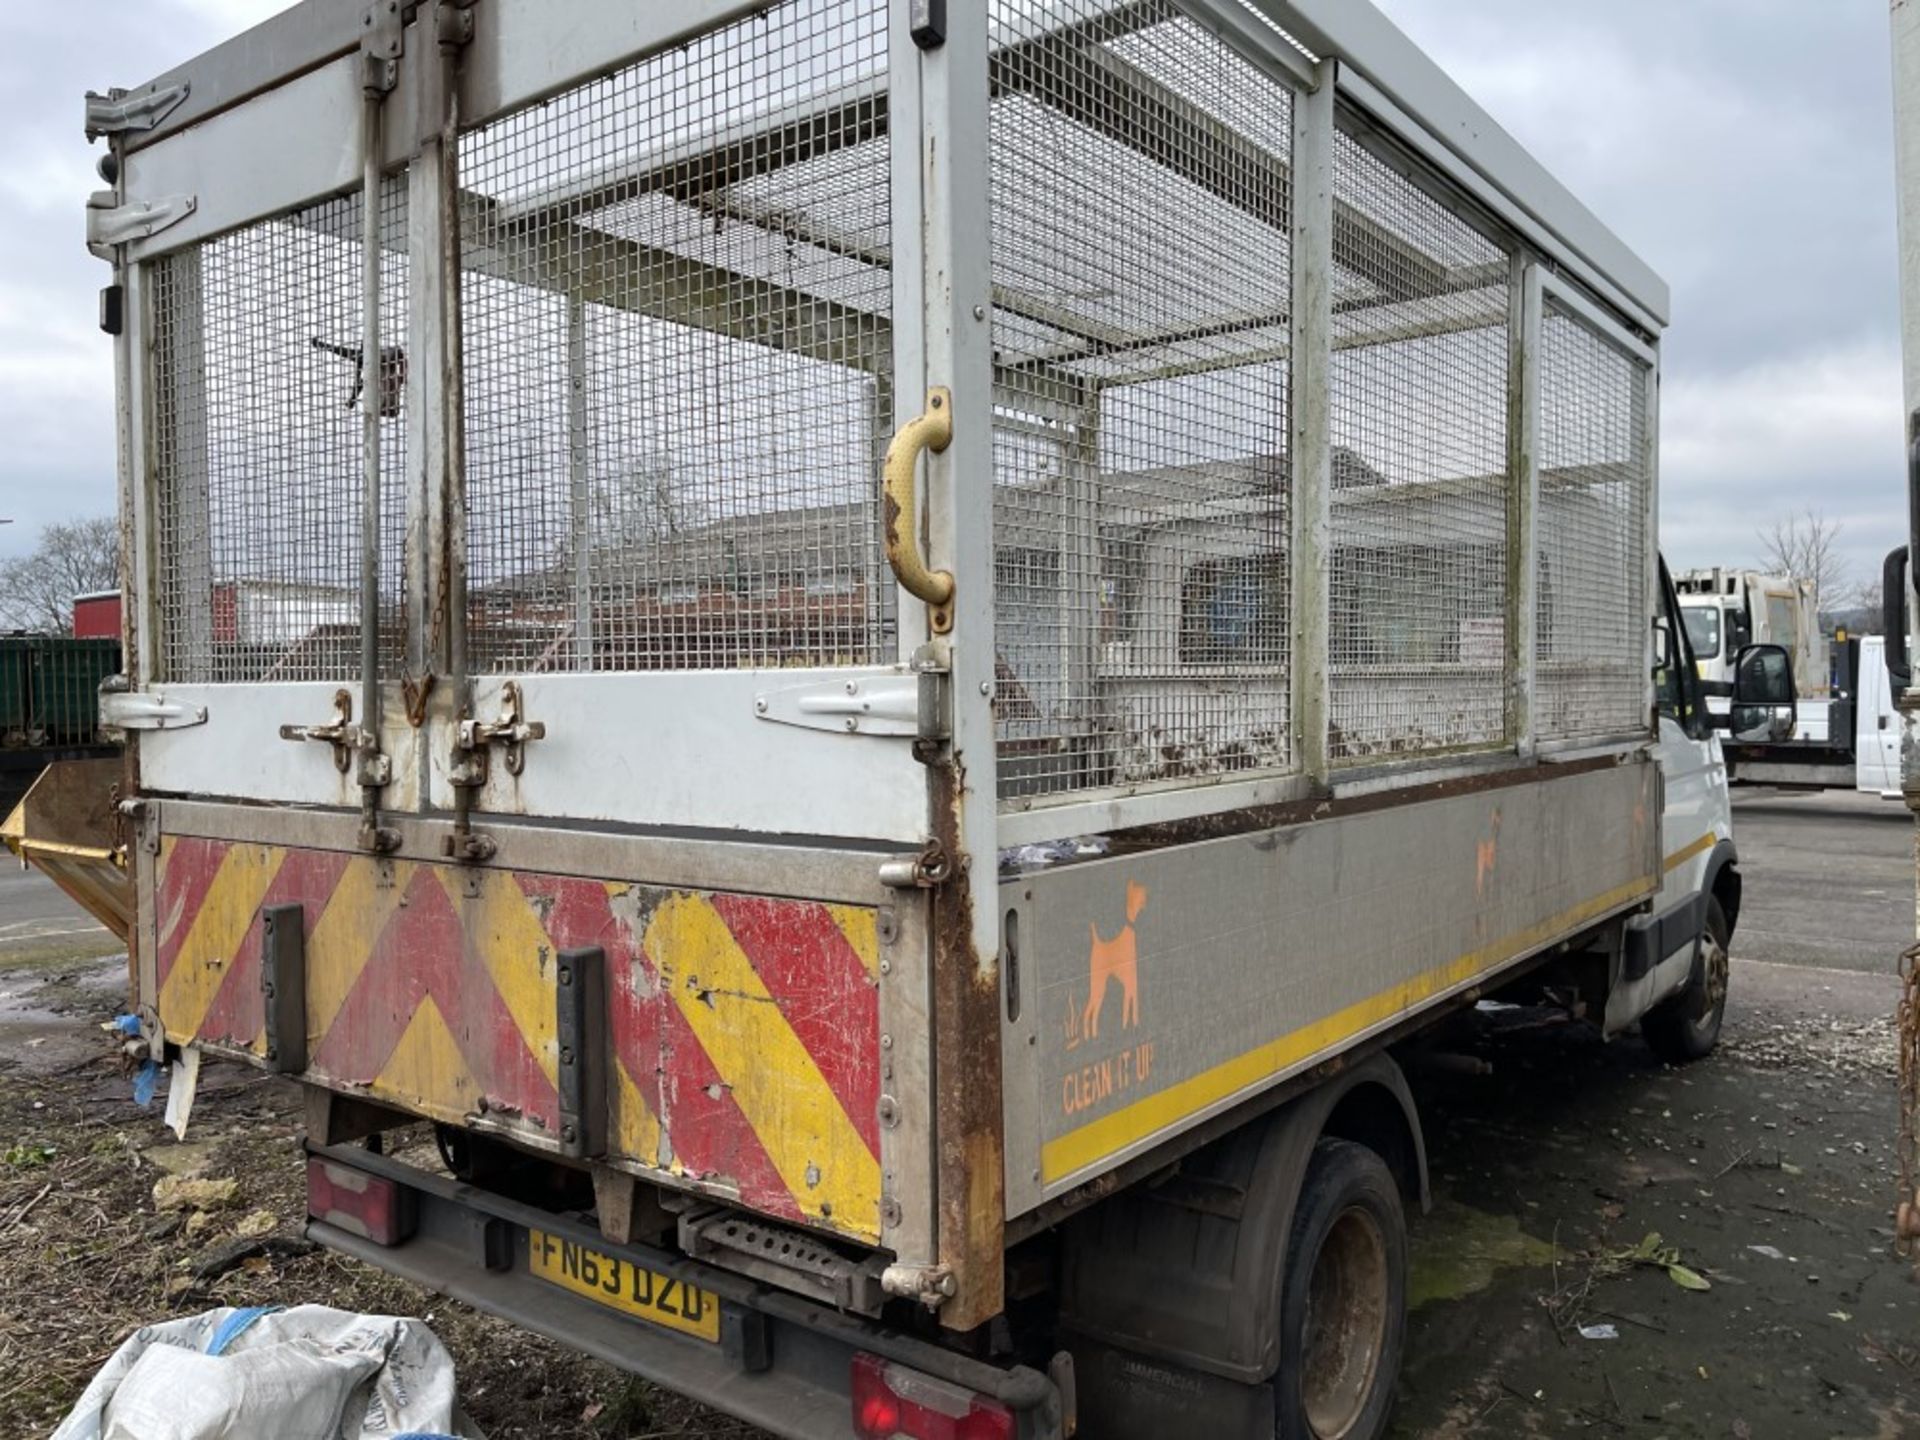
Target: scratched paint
{"type": "Point", "coordinates": [743, 1031]}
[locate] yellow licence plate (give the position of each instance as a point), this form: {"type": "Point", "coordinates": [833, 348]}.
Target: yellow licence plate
{"type": "Point", "coordinates": [622, 1285]}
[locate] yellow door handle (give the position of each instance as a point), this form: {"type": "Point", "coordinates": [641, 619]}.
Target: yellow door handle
{"type": "Point", "coordinates": [931, 431]}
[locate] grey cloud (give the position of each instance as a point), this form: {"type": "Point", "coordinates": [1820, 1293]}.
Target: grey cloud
{"type": "Point", "coordinates": [1745, 153]}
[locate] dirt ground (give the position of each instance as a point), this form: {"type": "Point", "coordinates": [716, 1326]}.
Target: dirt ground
{"type": "Point", "coordinates": [1766, 1174]}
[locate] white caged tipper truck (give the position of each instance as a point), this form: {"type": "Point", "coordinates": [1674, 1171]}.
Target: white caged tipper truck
{"type": "Point", "coordinates": [908, 639]}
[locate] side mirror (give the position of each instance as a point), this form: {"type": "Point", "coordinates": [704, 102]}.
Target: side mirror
{"type": "Point", "coordinates": [1766, 703]}
{"type": "Point", "coordinates": [1893, 617]}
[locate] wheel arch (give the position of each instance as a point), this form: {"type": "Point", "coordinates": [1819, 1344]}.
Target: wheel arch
{"type": "Point", "coordinates": [1187, 1266]}
{"type": "Point", "coordinates": [1723, 882]}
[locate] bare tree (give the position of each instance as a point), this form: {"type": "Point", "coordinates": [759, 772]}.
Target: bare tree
{"type": "Point", "coordinates": [37, 590]}
{"type": "Point", "coordinates": [1806, 547]}
{"type": "Point", "coordinates": [1867, 596]}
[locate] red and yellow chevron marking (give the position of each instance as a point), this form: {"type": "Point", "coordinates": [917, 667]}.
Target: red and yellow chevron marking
{"type": "Point", "coordinates": [745, 1030]}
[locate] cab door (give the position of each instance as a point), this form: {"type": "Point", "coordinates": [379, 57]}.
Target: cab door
{"type": "Point", "coordinates": [1697, 813]}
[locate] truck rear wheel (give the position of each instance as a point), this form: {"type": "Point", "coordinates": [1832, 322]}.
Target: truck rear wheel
{"type": "Point", "coordinates": [1343, 1303]}
{"type": "Point", "coordinates": [1687, 1026]}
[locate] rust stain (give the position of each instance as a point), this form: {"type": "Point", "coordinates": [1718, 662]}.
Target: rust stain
{"type": "Point", "coordinates": [1486, 857]}
{"type": "Point", "coordinates": [966, 1033]}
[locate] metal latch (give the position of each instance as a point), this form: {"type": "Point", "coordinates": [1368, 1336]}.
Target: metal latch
{"type": "Point", "coordinates": [120, 110]}
{"type": "Point", "coordinates": [110, 223]}
{"type": "Point", "coordinates": [512, 729]}
{"type": "Point", "coordinates": [124, 709]}
{"type": "Point", "coordinates": [864, 705]}
{"type": "Point", "coordinates": [347, 740]}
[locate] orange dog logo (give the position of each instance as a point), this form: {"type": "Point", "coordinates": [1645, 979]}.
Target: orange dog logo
{"type": "Point", "coordinates": [1115, 959]}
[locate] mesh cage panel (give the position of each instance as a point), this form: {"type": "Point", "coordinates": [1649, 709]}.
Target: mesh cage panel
{"type": "Point", "coordinates": [1419, 493]}
{"type": "Point", "coordinates": [1140, 231]}
{"type": "Point", "coordinates": [677, 357]}
{"type": "Point", "coordinates": [256, 439]}
{"type": "Point", "coordinates": [1595, 571]}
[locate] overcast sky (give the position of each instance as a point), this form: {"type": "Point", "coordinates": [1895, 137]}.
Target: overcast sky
{"type": "Point", "coordinates": [1743, 152]}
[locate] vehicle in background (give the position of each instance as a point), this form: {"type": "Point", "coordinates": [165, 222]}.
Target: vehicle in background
{"type": "Point", "coordinates": [97, 616]}
{"type": "Point", "coordinates": [1859, 744]}
{"type": "Point", "coordinates": [909, 946]}
{"type": "Point", "coordinates": [1729, 609]}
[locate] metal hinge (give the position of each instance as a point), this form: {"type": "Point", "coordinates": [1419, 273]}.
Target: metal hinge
{"type": "Point", "coordinates": [931, 1285]}
{"type": "Point", "coordinates": [867, 705]}
{"type": "Point", "coordinates": [123, 709]}
{"type": "Point", "coordinates": [111, 224]}
{"type": "Point", "coordinates": [121, 110]}
{"type": "Point", "coordinates": [382, 42]}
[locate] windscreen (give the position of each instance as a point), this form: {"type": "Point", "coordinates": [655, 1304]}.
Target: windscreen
{"type": "Point", "coordinates": [1703, 630]}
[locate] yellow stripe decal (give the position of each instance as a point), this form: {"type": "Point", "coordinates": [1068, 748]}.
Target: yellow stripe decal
{"type": "Point", "coordinates": [426, 1071]}
{"type": "Point", "coordinates": [636, 1128]}
{"type": "Point", "coordinates": [1680, 857]}
{"type": "Point", "coordinates": [1098, 1139]}
{"type": "Point", "coordinates": [347, 933]}
{"type": "Point", "coordinates": [213, 942]}
{"type": "Point", "coordinates": [861, 925]}
{"type": "Point", "coordinates": [502, 929]}
{"type": "Point", "coordinates": [774, 1080]}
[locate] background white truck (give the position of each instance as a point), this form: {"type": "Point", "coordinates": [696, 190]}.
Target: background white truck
{"type": "Point", "coordinates": [966, 617]}
{"type": "Point", "coordinates": [1729, 609]}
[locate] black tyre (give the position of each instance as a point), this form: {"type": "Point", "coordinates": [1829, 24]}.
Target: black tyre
{"type": "Point", "coordinates": [1686, 1026]}
{"type": "Point", "coordinates": [1343, 1303]}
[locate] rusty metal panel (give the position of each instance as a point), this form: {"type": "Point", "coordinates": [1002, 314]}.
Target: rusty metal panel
{"type": "Point", "coordinates": [742, 1053]}
{"type": "Point", "coordinates": [1157, 989]}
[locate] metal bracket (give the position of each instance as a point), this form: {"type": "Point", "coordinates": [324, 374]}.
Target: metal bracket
{"type": "Point", "coordinates": [124, 709]}
{"type": "Point", "coordinates": [579, 993]}
{"type": "Point", "coordinates": [868, 705]}
{"type": "Point", "coordinates": [283, 986]}
{"type": "Point", "coordinates": [927, 23]}
{"type": "Point", "coordinates": [122, 110]}
{"type": "Point", "coordinates": [453, 24]}
{"type": "Point", "coordinates": [512, 729]}
{"type": "Point", "coordinates": [787, 1258]}
{"type": "Point", "coordinates": [383, 41]}
{"type": "Point", "coordinates": [111, 224]}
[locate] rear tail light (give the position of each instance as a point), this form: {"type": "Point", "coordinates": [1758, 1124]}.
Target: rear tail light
{"type": "Point", "coordinates": [891, 1401]}
{"type": "Point", "coordinates": [366, 1205]}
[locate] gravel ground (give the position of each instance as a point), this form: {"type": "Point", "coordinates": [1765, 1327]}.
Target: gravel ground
{"type": "Point", "coordinates": [1766, 1172]}
{"type": "Point", "coordinates": [87, 1254]}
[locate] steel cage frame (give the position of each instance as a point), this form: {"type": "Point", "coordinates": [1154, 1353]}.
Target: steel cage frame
{"type": "Point", "coordinates": [1349, 71]}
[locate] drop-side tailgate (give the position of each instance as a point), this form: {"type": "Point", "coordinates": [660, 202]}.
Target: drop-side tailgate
{"type": "Point", "coordinates": [737, 1044]}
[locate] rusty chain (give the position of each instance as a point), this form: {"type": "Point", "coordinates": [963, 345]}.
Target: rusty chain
{"type": "Point", "coordinates": [1907, 1218]}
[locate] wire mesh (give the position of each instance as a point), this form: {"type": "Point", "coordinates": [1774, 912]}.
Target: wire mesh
{"type": "Point", "coordinates": [677, 352]}
{"type": "Point", "coordinates": [1419, 491]}
{"type": "Point", "coordinates": [1591, 677]}
{"type": "Point", "coordinates": [1140, 237]}
{"type": "Point", "coordinates": [258, 400]}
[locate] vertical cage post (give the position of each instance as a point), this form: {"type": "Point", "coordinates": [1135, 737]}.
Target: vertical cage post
{"type": "Point", "coordinates": [1310, 374]}
{"type": "Point", "coordinates": [1523, 494]}
{"type": "Point", "coordinates": [953, 181]}
{"type": "Point", "coordinates": [579, 498]}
